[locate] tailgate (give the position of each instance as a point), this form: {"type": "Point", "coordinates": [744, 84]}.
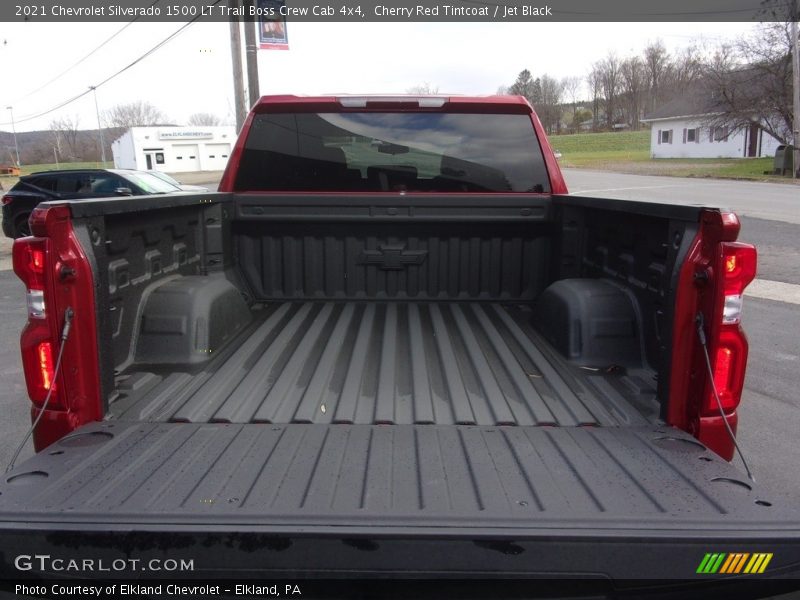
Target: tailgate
{"type": "Point", "coordinates": [306, 499]}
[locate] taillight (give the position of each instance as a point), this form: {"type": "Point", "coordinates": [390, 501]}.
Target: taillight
{"type": "Point", "coordinates": [738, 269]}
{"type": "Point", "coordinates": [59, 284]}
{"type": "Point", "coordinates": [734, 270]}
{"type": "Point", "coordinates": [30, 256]}
{"type": "Point", "coordinates": [38, 341]}
{"type": "Point", "coordinates": [46, 368]}
{"type": "Point", "coordinates": [7, 199]}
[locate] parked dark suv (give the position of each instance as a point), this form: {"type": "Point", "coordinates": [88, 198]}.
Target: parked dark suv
{"type": "Point", "coordinates": [32, 189]}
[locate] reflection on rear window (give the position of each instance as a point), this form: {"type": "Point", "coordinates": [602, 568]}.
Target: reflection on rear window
{"type": "Point", "coordinates": [385, 152]}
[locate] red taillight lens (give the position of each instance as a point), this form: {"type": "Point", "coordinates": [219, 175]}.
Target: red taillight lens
{"type": "Point", "coordinates": [738, 262]}
{"type": "Point", "coordinates": [722, 369]}
{"type": "Point", "coordinates": [30, 261]}
{"type": "Point", "coordinates": [736, 268]}
{"type": "Point", "coordinates": [30, 264]}
{"type": "Point", "coordinates": [46, 366]}
{"type": "Point", "coordinates": [7, 199]}
{"type": "Point", "coordinates": [36, 263]}
{"type": "Point", "coordinates": [38, 362]}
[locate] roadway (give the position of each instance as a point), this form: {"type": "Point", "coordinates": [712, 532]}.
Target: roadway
{"type": "Point", "coordinates": [770, 409]}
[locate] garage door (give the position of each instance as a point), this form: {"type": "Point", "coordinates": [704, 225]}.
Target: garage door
{"type": "Point", "coordinates": [216, 156]}
{"type": "Point", "coordinates": [187, 157]}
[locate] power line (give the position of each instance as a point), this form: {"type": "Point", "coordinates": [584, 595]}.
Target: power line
{"type": "Point", "coordinates": [68, 69]}
{"type": "Point", "coordinates": [109, 78]}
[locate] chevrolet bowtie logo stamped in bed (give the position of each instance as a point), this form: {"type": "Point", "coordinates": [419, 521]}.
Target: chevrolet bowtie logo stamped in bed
{"type": "Point", "coordinates": [392, 257]}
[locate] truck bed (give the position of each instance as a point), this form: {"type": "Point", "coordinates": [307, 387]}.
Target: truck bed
{"type": "Point", "coordinates": [260, 500]}
{"type": "Point", "coordinates": [447, 476]}
{"type": "Point", "coordinates": [440, 363]}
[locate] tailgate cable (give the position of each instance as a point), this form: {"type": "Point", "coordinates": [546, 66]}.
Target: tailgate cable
{"type": "Point", "coordinates": [68, 315]}
{"type": "Point", "coordinates": [703, 342]}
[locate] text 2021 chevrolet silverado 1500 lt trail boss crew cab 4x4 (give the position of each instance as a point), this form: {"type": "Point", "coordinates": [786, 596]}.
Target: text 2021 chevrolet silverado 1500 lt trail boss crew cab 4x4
{"type": "Point", "coordinates": [391, 344]}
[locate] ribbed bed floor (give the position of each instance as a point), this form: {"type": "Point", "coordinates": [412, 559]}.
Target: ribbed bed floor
{"type": "Point", "coordinates": [393, 363]}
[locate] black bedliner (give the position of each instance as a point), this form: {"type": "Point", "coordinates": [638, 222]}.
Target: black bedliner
{"type": "Point", "coordinates": [390, 363]}
{"type": "Point", "coordinates": [413, 499]}
{"type": "Point", "coordinates": [467, 477]}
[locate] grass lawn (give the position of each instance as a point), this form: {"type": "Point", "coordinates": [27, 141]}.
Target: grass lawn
{"type": "Point", "coordinates": [629, 152]}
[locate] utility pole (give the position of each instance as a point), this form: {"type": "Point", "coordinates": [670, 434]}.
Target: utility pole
{"type": "Point", "coordinates": [796, 91]}
{"type": "Point", "coordinates": [251, 54]}
{"type": "Point", "coordinates": [99, 127]}
{"type": "Point", "coordinates": [236, 57]}
{"type": "Point", "coordinates": [14, 130]}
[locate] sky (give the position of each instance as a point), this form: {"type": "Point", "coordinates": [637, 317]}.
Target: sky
{"type": "Point", "coordinates": [192, 72]}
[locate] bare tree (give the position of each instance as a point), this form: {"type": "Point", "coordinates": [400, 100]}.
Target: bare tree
{"type": "Point", "coordinates": [750, 82]}
{"type": "Point", "coordinates": [685, 70]}
{"type": "Point", "coordinates": [634, 81]}
{"type": "Point", "coordinates": [134, 114]}
{"type": "Point", "coordinates": [572, 90]}
{"type": "Point", "coordinates": [610, 80]}
{"type": "Point", "coordinates": [202, 118]}
{"type": "Point", "coordinates": [56, 138]}
{"type": "Point", "coordinates": [595, 81]}
{"type": "Point", "coordinates": [656, 64]}
{"type": "Point", "coordinates": [66, 137]}
{"type": "Point", "coordinates": [549, 109]}
{"type": "Point", "coordinates": [423, 89]}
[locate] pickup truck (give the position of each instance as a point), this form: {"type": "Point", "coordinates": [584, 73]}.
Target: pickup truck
{"type": "Point", "coordinates": [391, 344]}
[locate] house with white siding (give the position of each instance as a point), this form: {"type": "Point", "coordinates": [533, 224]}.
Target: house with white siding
{"type": "Point", "coordinates": [681, 129]}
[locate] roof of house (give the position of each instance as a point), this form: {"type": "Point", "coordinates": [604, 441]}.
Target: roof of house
{"type": "Point", "coordinates": [703, 98]}
{"type": "Point", "coordinates": [692, 103]}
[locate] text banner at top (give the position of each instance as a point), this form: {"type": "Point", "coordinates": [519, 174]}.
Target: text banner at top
{"type": "Point", "coordinates": [399, 11]}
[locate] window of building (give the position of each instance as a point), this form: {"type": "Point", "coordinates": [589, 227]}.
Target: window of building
{"type": "Point", "coordinates": [721, 134]}
{"type": "Point", "coordinates": [692, 135]}
{"type": "Point", "coordinates": [665, 136]}
{"type": "Point", "coordinates": [159, 158]}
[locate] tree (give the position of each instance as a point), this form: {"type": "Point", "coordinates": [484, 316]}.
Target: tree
{"type": "Point", "coordinates": [208, 119]}
{"type": "Point", "coordinates": [594, 80]}
{"type": "Point", "coordinates": [656, 65]}
{"type": "Point", "coordinates": [424, 89]}
{"type": "Point", "coordinates": [527, 86]}
{"type": "Point", "coordinates": [134, 114]}
{"type": "Point", "coordinates": [66, 137]}
{"type": "Point", "coordinates": [684, 71]}
{"type": "Point", "coordinates": [549, 109]}
{"type": "Point", "coordinates": [572, 88]}
{"type": "Point", "coordinates": [751, 82]}
{"type": "Point", "coordinates": [634, 80]}
{"type": "Point", "coordinates": [610, 79]}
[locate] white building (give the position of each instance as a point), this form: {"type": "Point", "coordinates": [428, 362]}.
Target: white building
{"type": "Point", "coordinates": [679, 129]}
{"type": "Point", "coordinates": [174, 149]}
